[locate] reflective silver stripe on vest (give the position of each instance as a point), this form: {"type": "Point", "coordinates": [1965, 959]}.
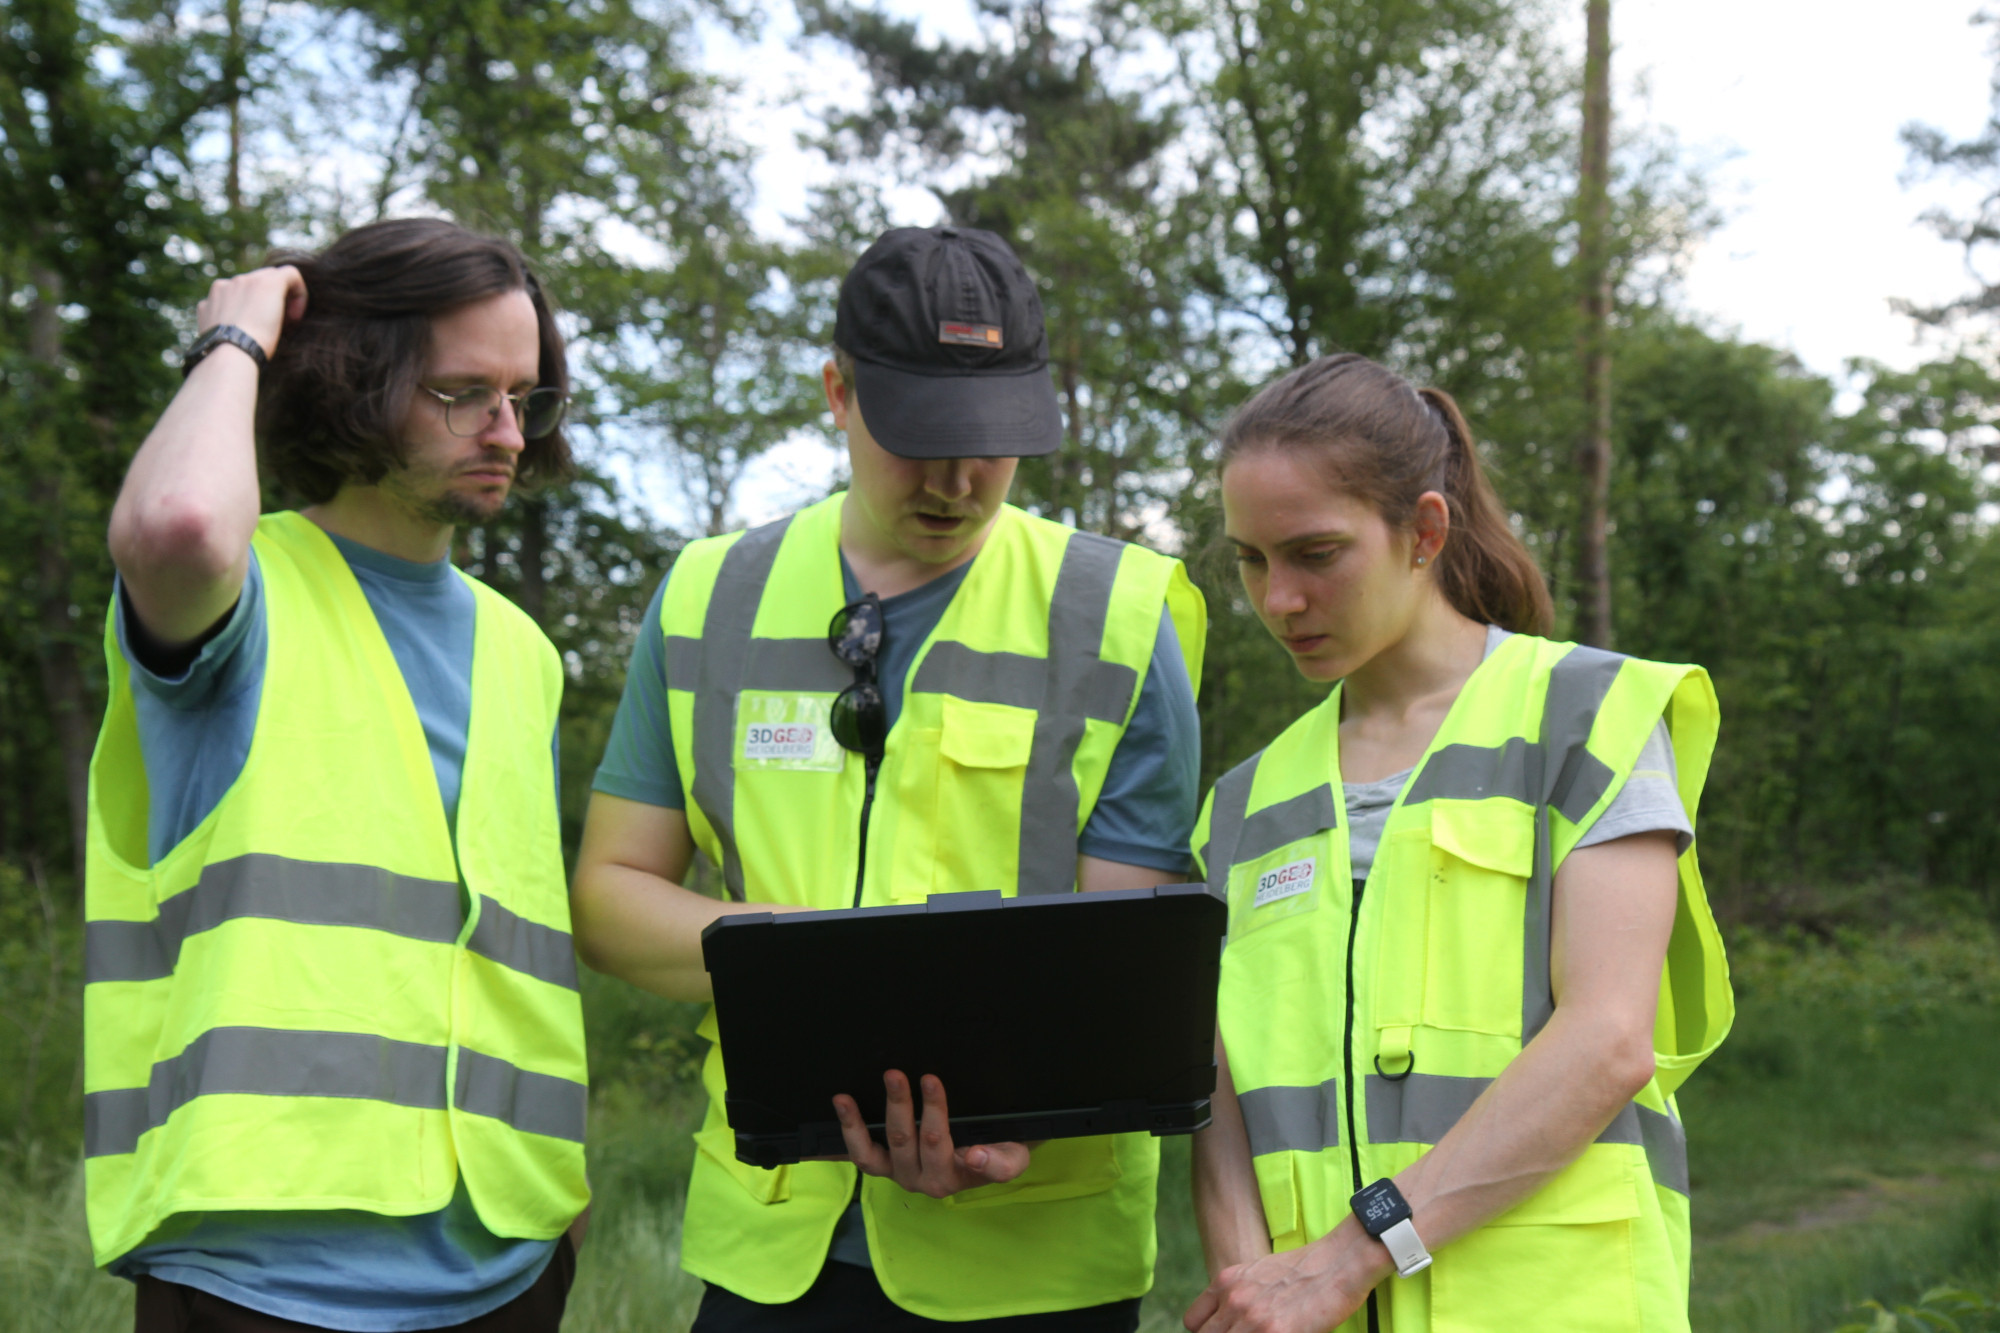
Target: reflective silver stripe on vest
{"type": "Point", "coordinates": [1103, 690]}
{"type": "Point", "coordinates": [992, 678]}
{"type": "Point", "coordinates": [1422, 1108]}
{"type": "Point", "coordinates": [1477, 772]}
{"type": "Point", "coordinates": [1578, 686]}
{"type": "Point", "coordinates": [268, 1062]}
{"type": "Point", "coordinates": [1227, 802]}
{"type": "Point", "coordinates": [534, 1103]}
{"type": "Point", "coordinates": [276, 888]}
{"type": "Point", "coordinates": [683, 661]}
{"type": "Point", "coordinates": [277, 1062]}
{"type": "Point", "coordinates": [1282, 1119]}
{"type": "Point", "coordinates": [722, 656]}
{"type": "Point", "coordinates": [1049, 798]}
{"type": "Point", "coordinates": [1289, 820]}
{"type": "Point", "coordinates": [1666, 1148]}
{"type": "Point", "coordinates": [799, 666]}
{"type": "Point", "coordinates": [529, 947]}
{"type": "Point", "coordinates": [1419, 1108]}
{"type": "Point", "coordinates": [260, 886]}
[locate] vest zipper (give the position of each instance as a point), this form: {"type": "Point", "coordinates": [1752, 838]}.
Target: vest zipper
{"type": "Point", "coordinates": [1348, 1075]}
{"type": "Point", "coordinates": [874, 764]}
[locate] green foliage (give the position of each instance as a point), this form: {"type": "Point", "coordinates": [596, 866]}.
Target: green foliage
{"type": "Point", "coordinates": [41, 997]}
{"type": "Point", "coordinates": [1939, 1310]}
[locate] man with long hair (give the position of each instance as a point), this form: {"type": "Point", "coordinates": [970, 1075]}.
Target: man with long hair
{"type": "Point", "coordinates": [334, 1048]}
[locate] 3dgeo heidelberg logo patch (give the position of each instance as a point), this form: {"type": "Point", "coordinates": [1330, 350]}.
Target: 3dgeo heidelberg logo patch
{"type": "Point", "coordinates": [780, 740]}
{"type": "Point", "coordinates": [1287, 881]}
{"type": "Point", "coordinates": [969, 335]}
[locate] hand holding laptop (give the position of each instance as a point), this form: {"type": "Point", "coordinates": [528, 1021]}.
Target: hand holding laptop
{"type": "Point", "coordinates": [923, 1160]}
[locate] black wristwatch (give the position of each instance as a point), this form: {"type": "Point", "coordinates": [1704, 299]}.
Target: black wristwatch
{"type": "Point", "coordinates": [214, 338]}
{"type": "Point", "coordinates": [1385, 1215]}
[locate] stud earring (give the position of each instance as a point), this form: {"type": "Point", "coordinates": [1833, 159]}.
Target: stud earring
{"type": "Point", "coordinates": [1420, 560]}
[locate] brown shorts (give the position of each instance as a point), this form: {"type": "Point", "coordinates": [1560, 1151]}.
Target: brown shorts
{"type": "Point", "coordinates": [168, 1307]}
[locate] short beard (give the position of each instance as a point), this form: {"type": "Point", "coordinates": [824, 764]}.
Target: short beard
{"type": "Point", "coordinates": [448, 509]}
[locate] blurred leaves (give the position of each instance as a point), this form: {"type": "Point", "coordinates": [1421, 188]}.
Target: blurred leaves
{"type": "Point", "coordinates": [1940, 1310]}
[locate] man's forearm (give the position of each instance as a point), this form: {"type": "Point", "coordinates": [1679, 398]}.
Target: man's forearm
{"type": "Point", "coordinates": [181, 527]}
{"type": "Point", "coordinates": [645, 929]}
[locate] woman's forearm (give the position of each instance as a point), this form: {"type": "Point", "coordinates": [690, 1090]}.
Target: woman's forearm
{"type": "Point", "coordinates": [1614, 911]}
{"type": "Point", "coordinates": [1532, 1122]}
{"type": "Point", "coordinates": [1228, 1211]}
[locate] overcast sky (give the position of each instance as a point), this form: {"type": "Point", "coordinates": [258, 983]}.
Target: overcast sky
{"type": "Point", "coordinates": [1801, 103]}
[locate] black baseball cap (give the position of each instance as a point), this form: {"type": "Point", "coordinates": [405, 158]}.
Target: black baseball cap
{"type": "Point", "coordinates": [950, 356]}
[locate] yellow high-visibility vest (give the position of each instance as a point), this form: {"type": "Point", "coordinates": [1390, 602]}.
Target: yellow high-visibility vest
{"type": "Point", "coordinates": [1447, 945]}
{"type": "Point", "coordinates": [320, 998]}
{"type": "Point", "coordinates": [1011, 712]}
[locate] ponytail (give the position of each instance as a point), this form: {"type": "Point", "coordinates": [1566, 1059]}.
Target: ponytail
{"type": "Point", "coordinates": [1483, 569]}
{"type": "Point", "coordinates": [1387, 442]}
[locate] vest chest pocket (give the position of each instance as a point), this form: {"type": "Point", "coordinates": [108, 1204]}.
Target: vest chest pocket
{"type": "Point", "coordinates": [1480, 855]}
{"type": "Point", "coordinates": [985, 749]}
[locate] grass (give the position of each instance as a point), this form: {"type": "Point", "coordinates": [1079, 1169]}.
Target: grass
{"type": "Point", "coordinates": [1845, 1145]}
{"type": "Point", "coordinates": [47, 1283]}
{"type": "Point", "coordinates": [1845, 1142]}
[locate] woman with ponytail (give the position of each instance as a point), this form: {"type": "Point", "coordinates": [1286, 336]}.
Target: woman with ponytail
{"type": "Point", "coordinates": [1469, 956]}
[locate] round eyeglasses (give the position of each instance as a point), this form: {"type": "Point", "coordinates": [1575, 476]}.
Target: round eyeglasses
{"type": "Point", "coordinates": [474, 410]}
{"type": "Point", "coordinates": [860, 713]}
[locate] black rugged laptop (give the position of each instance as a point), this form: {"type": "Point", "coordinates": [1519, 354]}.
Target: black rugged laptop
{"type": "Point", "coordinates": [1045, 1017]}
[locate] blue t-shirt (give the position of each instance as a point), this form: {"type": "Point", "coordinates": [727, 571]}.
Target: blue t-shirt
{"type": "Point", "coordinates": [1143, 816]}
{"type": "Point", "coordinates": [344, 1268]}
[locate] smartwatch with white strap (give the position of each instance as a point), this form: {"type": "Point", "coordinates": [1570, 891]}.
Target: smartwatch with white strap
{"type": "Point", "coordinates": [1385, 1215]}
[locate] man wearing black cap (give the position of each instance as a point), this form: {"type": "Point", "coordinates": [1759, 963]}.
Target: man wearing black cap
{"type": "Point", "coordinates": [909, 688]}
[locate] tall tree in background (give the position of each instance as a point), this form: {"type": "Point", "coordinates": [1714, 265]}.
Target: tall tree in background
{"type": "Point", "coordinates": [1593, 254]}
{"type": "Point", "coordinates": [98, 113]}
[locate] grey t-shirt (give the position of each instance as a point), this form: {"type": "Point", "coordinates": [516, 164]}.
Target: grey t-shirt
{"type": "Point", "coordinates": [1649, 801]}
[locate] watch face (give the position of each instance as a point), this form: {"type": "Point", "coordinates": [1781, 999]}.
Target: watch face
{"type": "Point", "coordinates": [1380, 1207]}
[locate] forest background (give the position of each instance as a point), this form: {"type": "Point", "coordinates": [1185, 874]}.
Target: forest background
{"type": "Point", "coordinates": [1208, 191]}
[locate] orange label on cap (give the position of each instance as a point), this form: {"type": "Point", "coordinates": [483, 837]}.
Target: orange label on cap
{"type": "Point", "coordinates": [970, 335]}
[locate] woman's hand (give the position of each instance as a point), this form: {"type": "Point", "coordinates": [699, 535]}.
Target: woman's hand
{"type": "Point", "coordinates": [1307, 1290]}
{"type": "Point", "coordinates": [923, 1160]}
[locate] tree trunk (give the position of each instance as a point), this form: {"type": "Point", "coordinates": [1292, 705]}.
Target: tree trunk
{"type": "Point", "coordinates": [1593, 455]}
{"type": "Point", "coordinates": [56, 650]}
{"type": "Point", "coordinates": [534, 549]}
{"type": "Point", "coordinates": [233, 71]}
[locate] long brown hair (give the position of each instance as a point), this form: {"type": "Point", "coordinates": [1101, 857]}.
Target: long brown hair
{"type": "Point", "coordinates": [1386, 442]}
{"type": "Point", "coordinates": [332, 405]}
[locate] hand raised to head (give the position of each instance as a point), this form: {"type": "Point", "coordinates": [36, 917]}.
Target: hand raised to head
{"type": "Point", "coordinates": [260, 302]}
{"type": "Point", "coordinates": [921, 1157]}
